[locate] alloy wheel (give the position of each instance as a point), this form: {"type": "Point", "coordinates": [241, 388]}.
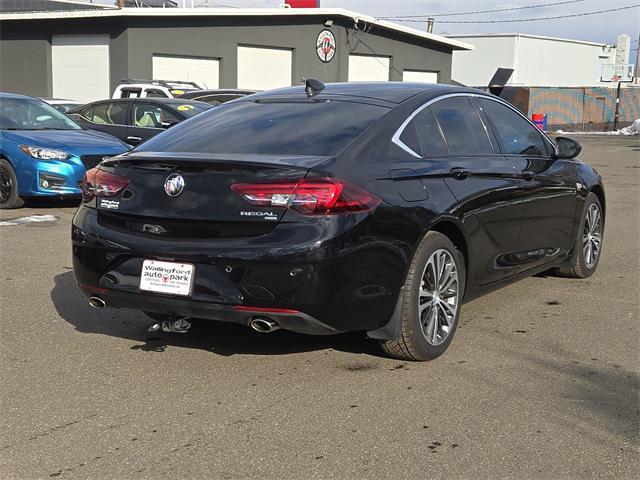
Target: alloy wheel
{"type": "Point", "coordinates": [6, 185]}
{"type": "Point", "coordinates": [438, 298]}
{"type": "Point", "coordinates": [592, 235]}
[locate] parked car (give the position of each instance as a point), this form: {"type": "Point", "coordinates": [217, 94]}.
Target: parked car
{"type": "Point", "coordinates": [134, 120]}
{"type": "Point", "coordinates": [216, 97]}
{"type": "Point", "coordinates": [62, 105]}
{"type": "Point", "coordinates": [376, 207]}
{"type": "Point", "coordinates": [44, 153]}
{"type": "Point", "coordinates": [133, 88]}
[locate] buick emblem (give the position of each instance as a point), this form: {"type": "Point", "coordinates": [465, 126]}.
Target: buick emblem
{"type": "Point", "coordinates": [174, 185]}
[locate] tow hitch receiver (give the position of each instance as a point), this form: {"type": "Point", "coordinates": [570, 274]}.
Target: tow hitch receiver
{"type": "Point", "coordinates": [179, 325]}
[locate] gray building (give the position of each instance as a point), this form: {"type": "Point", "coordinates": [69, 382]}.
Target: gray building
{"type": "Point", "coordinates": [83, 53]}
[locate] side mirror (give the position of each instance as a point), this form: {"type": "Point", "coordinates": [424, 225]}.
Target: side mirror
{"type": "Point", "coordinates": [567, 148]}
{"type": "Point", "coordinates": [168, 124]}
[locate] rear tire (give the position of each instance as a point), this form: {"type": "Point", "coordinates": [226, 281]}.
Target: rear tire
{"type": "Point", "coordinates": [9, 197]}
{"type": "Point", "coordinates": [588, 244]}
{"type": "Point", "coordinates": [431, 307]}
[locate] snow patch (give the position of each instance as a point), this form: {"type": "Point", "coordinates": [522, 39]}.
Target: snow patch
{"type": "Point", "coordinates": [29, 219]}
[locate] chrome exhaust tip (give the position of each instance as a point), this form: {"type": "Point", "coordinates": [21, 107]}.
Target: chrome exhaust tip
{"type": "Point", "coordinates": [97, 302]}
{"type": "Point", "coordinates": [263, 325]}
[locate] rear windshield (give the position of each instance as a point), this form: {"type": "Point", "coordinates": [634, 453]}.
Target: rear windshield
{"type": "Point", "coordinates": [281, 128]}
{"type": "Point", "coordinates": [191, 109]}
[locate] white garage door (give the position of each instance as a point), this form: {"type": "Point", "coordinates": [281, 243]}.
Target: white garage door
{"type": "Point", "coordinates": [419, 76]}
{"type": "Point", "coordinates": [368, 68]}
{"type": "Point", "coordinates": [264, 68]}
{"type": "Point", "coordinates": [204, 71]}
{"type": "Point", "coordinates": [80, 67]}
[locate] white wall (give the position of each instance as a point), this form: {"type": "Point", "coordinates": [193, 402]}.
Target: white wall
{"type": "Point", "coordinates": [368, 68]}
{"type": "Point", "coordinates": [262, 68]}
{"type": "Point", "coordinates": [476, 67]}
{"type": "Point", "coordinates": [80, 67]}
{"type": "Point", "coordinates": [204, 71]}
{"type": "Point", "coordinates": [548, 63]}
{"type": "Point", "coordinates": [419, 76]}
{"type": "Point", "coordinates": [538, 62]}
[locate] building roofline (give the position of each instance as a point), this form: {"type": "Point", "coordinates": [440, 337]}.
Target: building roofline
{"type": "Point", "coordinates": [79, 4]}
{"type": "Point", "coordinates": [239, 12]}
{"type": "Point", "coordinates": [527, 35]}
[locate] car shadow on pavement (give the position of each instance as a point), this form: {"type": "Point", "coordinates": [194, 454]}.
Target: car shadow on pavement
{"type": "Point", "coordinates": [52, 202]}
{"type": "Point", "coordinates": [217, 337]}
{"type": "Point", "coordinates": [587, 396]}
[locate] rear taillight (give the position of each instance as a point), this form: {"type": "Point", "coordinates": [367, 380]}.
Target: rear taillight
{"type": "Point", "coordinates": [98, 183]}
{"type": "Point", "coordinates": [323, 196]}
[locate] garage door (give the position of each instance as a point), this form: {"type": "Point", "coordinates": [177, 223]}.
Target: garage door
{"type": "Point", "coordinates": [80, 67]}
{"type": "Point", "coordinates": [264, 68]}
{"type": "Point", "coordinates": [419, 76]}
{"type": "Point", "coordinates": [368, 68]}
{"type": "Point", "coordinates": [204, 71]}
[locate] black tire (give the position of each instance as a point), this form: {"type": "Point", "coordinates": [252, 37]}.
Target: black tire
{"type": "Point", "coordinates": [413, 344]}
{"type": "Point", "coordinates": [9, 197]}
{"type": "Point", "coordinates": [579, 268]}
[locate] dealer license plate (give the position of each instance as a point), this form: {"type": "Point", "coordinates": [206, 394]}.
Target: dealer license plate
{"type": "Point", "coordinates": [166, 277]}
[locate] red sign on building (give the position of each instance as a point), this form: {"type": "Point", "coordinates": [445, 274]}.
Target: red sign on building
{"type": "Point", "coordinates": [303, 3]}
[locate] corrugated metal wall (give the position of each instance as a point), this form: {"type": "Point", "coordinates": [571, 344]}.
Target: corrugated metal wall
{"type": "Point", "coordinates": [584, 109]}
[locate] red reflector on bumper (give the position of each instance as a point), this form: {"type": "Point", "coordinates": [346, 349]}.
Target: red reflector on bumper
{"type": "Point", "coordinates": [243, 308]}
{"type": "Point", "coordinates": [90, 288]}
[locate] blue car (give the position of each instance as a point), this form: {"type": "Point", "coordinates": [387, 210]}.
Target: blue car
{"type": "Point", "coordinates": [45, 153]}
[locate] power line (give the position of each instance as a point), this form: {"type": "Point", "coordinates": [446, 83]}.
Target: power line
{"type": "Point", "coordinates": [486, 11]}
{"type": "Point", "coordinates": [528, 19]}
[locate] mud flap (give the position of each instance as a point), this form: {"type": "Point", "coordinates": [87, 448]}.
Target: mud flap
{"type": "Point", "coordinates": [393, 328]}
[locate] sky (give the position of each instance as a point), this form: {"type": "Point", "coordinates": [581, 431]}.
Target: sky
{"type": "Point", "coordinates": [598, 28]}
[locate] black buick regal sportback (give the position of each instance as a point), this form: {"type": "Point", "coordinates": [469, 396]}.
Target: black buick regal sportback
{"type": "Point", "coordinates": [377, 207]}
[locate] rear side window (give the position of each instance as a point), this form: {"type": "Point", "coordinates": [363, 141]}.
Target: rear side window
{"type": "Point", "coordinates": [422, 135]}
{"type": "Point", "coordinates": [147, 115]}
{"type": "Point", "coordinates": [153, 93]}
{"type": "Point", "coordinates": [107, 114]}
{"type": "Point", "coordinates": [286, 128]}
{"type": "Point", "coordinates": [463, 130]}
{"type": "Point", "coordinates": [130, 93]}
{"type": "Point", "coordinates": [518, 136]}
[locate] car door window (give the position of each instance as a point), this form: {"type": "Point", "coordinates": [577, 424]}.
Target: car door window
{"type": "Point", "coordinates": [147, 115]}
{"type": "Point", "coordinates": [423, 136]}
{"type": "Point", "coordinates": [107, 114]}
{"type": "Point", "coordinates": [517, 135]}
{"type": "Point", "coordinates": [130, 93]}
{"type": "Point", "coordinates": [154, 93]}
{"type": "Point", "coordinates": [463, 130]}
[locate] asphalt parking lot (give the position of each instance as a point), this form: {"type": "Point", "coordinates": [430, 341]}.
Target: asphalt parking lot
{"type": "Point", "coordinates": [540, 382]}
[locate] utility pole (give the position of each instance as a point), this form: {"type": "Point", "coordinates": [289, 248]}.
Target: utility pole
{"type": "Point", "coordinates": [636, 79]}
{"type": "Point", "coordinates": [430, 24]}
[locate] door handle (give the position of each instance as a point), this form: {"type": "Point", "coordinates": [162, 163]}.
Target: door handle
{"type": "Point", "coordinates": [528, 174]}
{"type": "Point", "coordinates": [459, 173]}
{"type": "Point", "coordinates": [134, 139]}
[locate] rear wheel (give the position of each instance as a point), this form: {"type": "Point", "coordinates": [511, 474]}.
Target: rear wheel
{"type": "Point", "coordinates": [431, 306]}
{"type": "Point", "coordinates": [9, 197]}
{"type": "Point", "coordinates": [588, 244]}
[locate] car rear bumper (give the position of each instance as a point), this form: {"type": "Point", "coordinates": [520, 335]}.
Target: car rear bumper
{"type": "Point", "coordinates": [186, 307]}
{"type": "Point", "coordinates": [336, 277]}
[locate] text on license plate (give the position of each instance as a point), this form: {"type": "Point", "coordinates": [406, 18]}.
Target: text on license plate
{"type": "Point", "coordinates": [166, 277]}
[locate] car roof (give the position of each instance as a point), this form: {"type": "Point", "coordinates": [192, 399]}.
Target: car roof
{"type": "Point", "coordinates": [17, 96]}
{"type": "Point", "coordinates": [169, 101]}
{"type": "Point", "coordinates": [394, 92]}
{"type": "Point", "coordinates": [218, 91]}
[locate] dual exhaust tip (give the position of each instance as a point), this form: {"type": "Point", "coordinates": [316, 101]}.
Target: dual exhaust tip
{"type": "Point", "coordinates": [263, 325]}
{"type": "Point", "coordinates": [97, 302]}
{"type": "Point", "coordinates": [259, 324]}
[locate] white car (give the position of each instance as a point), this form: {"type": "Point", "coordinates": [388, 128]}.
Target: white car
{"type": "Point", "coordinates": [131, 88]}
{"type": "Point", "coordinates": [63, 105]}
